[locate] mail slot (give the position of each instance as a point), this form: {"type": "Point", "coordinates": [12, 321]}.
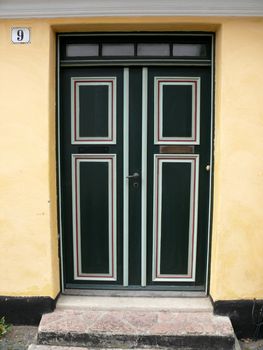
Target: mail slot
{"type": "Point", "coordinates": [176, 149]}
{"type": "Point", "coordinates": [93, 149]}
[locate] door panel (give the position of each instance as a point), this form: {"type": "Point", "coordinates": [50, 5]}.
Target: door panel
{"type": "Point", "coordinates": [175, 217]}
{"type": "Point", "coordinates": [177, 154]}
{"type": "Point", "coordinates": [93, 106]}
{"type": "Point", "coordinates": [94, 217]}
{"type": "Point", "coordinates": [176, 109]}
{"type": "Point", "coordinates": [125, 231]}
{"type": "Point", "coordinates": [92, 193]}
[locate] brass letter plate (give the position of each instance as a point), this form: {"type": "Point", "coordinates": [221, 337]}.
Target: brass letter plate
{"type": "Point", "coordinates": [176, 149]}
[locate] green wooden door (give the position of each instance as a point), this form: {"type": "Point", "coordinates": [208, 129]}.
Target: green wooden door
{"type": "Point", "coordinates": [134, 158]}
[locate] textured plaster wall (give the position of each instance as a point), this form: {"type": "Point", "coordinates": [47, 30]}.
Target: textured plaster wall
{"type": "Point", "coordinates": [28, 233]}
{"type": "Point", "coordinates": [28, 214]}
{"type": "Point", "coordinates": [237, 259]}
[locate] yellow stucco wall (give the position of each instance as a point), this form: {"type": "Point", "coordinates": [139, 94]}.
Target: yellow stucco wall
{"type": "Point", "coordinates": [237, 259]}
{"type": "Point", "coordinates": [28, 214]}
{"type": "Point", "coordinates": [28, 229]}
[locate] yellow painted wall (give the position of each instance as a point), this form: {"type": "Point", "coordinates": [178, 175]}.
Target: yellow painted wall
{"type": "Point", "coordinates": [28, 229]}
{"type": "Point", "coordinates": [237, 259]}
{"type": "Point", "coordinates": [28, 214]}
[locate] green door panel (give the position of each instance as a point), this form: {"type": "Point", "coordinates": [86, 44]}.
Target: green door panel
{"type": "Point", "coordinates": [91, 138]}
{"type": "Point", "coordinates": [93, 102]}
{"type": "Point", "coordinates": [175, 199]}
{"type": "Point", "coordinates": [95, 105]}
{"type": "Point", "coordinates": [177, 250]}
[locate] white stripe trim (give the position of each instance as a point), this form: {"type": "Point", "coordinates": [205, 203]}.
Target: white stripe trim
{"type": "Point", "coordinates": [144, 179]}
{"type": "Point", "coordinates": [125, 179]}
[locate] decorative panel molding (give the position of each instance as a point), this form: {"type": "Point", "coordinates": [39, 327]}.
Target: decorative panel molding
{"type": "Point", "coordinates": [177, 110]}
{"type": "Point", "coordinates": [99, 211]}
{"type": "Point", "coordinates": [181, 236]}
{"type": "Point", "coordinates": [81, 8]}
{"type": "Point", "coordinates": [93, 110]}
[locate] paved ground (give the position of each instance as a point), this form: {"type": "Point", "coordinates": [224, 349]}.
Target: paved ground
{"type": "Point", "coordinates": [20, 337]}
{"type": "Point", "coordinates": [251, 345]}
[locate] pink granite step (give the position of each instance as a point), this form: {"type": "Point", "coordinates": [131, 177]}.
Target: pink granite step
{"type": "Point", "coordinates": [54, 347]}
{"type": "Point", "coordinates": [51, 347]}
{"type": "Point", "coordinates": [134, 329]}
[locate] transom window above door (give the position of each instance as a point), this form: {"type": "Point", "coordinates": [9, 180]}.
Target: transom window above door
{"type": "Point", "coordinates": [171, 47]}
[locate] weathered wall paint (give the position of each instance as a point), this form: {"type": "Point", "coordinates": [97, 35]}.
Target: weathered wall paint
{"type": "Point", "coordinates": [28, 213]}
{"type": "Point", "coordinates": [28, 246]}
{"type": "Point", "coordinates": [237, 259]}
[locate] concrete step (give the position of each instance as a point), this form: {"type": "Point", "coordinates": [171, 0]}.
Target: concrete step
{"type": "Point", "coordinates": [130, 303]}
{"type": "Point", "coordinates": [50, 347]}
{"type": "Point", "coordinates": [136, 329]}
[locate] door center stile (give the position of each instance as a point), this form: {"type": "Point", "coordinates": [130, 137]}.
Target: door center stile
{"type": "Point", "coordinates": [135, 174]}
{"type": "Point", "coordinates": [125, 179]}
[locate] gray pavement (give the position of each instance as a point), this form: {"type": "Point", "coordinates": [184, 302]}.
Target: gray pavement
{"type": "Point", "coordinates": [248, 344]}
{"type": "Point", "coordinates": [19, 338]}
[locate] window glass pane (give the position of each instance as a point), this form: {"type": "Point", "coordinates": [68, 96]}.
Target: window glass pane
{"type": "Point", "coordinates": [74, 50]}
{"type": "Point", "coordinates": [117, 50]}
{"type": "Point", "coordinates": [153, 50]}
{"type": "Point", "coordinates": [194, 50]}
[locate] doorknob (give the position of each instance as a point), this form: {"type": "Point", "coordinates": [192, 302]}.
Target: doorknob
{"type": "Point", "coordinates": [134, 176]}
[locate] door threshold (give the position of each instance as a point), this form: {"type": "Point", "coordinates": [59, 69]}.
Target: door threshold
{"type": "Point", "coordinates": [134, 293]}
{"type": "Point", "coordinates": [156, 303]}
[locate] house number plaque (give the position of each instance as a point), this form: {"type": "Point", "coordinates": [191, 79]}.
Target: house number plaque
{"type": "Point", "coordinates": [20, 35]}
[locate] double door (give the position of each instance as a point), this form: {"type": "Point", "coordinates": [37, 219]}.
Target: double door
{"type": "Point", "coordinates": [134, 165]}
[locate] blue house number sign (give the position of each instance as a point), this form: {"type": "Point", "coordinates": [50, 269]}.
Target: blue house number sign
{"type": "Point", "coordinates": [20, 35]}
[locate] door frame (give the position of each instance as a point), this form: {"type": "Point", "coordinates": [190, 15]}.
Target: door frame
{"type": "Point", "coordinates": [128, 63]}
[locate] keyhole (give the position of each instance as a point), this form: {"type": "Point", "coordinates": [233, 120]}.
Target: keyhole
{"type": "Point", "coordinates": [135, 185]}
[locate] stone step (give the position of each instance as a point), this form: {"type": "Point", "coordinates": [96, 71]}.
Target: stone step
{"type": "Point", "coordinates": [130, 303]}
{"type": "Point", "coordinates": [136, 329]}
{"type": "Point", "coordinates": [51, 347]}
